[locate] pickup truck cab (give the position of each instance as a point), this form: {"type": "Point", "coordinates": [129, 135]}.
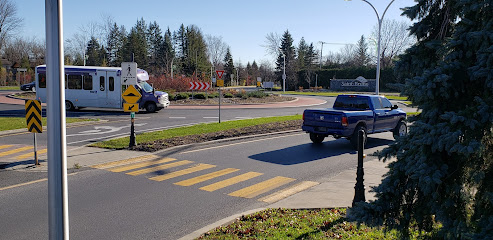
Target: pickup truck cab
{"type": "Point", "coordinates": [350, 113]}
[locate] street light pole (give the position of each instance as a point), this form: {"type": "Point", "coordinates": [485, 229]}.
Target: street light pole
{"type": "Point", "coordinates": [380, 20]}
{"type": "Point", "coordinates": [284, 74]}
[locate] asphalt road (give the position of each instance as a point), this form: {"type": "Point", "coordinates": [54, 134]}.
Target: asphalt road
{"type": "Point", "coordinates": [126, 205]}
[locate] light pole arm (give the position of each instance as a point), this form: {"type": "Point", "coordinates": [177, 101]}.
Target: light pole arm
{"type": "Point", "coordinates": [376, 12]}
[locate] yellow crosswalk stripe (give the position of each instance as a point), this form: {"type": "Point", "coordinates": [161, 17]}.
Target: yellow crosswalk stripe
{"type": "Point", "coordinates": [160, 167]}
{"type": "Point", "coordinates": [15, 151]}
{"type": "Point", "coordinates": [30, 155]}
{"type": "Point", "coordinates": [146, 163]}
{"type": "Point", "coordinates": [5, 146]}
{"type": "Point", "coordinates": [230, 181]}
{"type": "Point", "coordinates": [197, 168]}
{"type": "Point", "coordinates": [262, 187]}
{"type": "Point", "coordinates": [288, 191]}
{"type": "Point", "coordinates": [124, 162]}
{"type": "Point", "coordinates": [205, 177]}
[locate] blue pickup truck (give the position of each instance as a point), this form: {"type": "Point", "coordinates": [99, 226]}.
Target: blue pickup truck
{"type": "Point", "coordinates": [350, 113]}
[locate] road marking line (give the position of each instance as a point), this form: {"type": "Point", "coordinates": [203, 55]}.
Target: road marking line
{"type": "Point", "coordinates": [29, 155]}
{"type": "Point", "coordinates": [233, 144]}
{"type": "Point", "coordinates": [210, 117]}
{"type": "Point", "coordinates": [230, 181]}
{"type": "Point", "coordinates": [244, 117]}
{"type": "Point", "coordinates": [203, 178]}
{"type": "Point", "coordinates": [262, 187]}
{"type": "Point", "coordinates": [288, 191]}
{"type": "Point", "coordinates": [15, 151]}
{"type": "Point", "coordinates": [197, 168]}
{"type": "Point", "coordinates": [160, 167]}
{"type": "Point", "coordinates": [177, 117]}
{"type": "Point", "coordinates": [31, 182]}
{"type": "Point", "coordinates": [5, 146]}
{"type": "Point", "coordinates": [146, 163]}
{"type": "Point", "coordinates": [125, 161]}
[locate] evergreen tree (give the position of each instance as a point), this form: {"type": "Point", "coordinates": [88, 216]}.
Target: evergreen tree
{"type": "Point", "coordinates": [154, 42]}
{"type": "Point", "coordinates": [93, 53]}
{"type": "Point", "coordinates": [195, 62]}
{"type": "Point", "coordinates": [137, 45]}
{"type": "Point", "coordinates": [302, 52]}
{"type": "Point", "coordinates": [113, 45]}
{"type": "Point", "coordinates": [444, 167]}
{"type": "Point", "coordinates": [167, 52]}
{"type": "Point", "coordinates": [362, 57]}
{"type": "Point", "coordinates": [229, 67]}
{"type": "Point", "coordinates": [287, 49]}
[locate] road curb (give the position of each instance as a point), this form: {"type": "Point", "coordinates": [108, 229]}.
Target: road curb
{"type": "Point", "coordinates": [22, 130]}
{"type": "Point", "coordinates": [224, 221]}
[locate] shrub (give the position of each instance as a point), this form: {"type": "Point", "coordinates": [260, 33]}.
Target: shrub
{"type": "Point", "coordinates": [199, 96]}
{"type": "Point", "coordinates": [228, 95]}
{"type": "Point", "coordinates": [182, 95]}
{"type": "Point", "coordinates": [257, 94]}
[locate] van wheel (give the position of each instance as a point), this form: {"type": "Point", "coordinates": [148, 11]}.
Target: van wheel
{"type": "Point", "coordinates": [151, 107]}
{"type": "Point", "coordinates": [316, 138]}
{"type": "Point", "coordinates": [69, 106]}
{"type": "Point", "coordinates": [354, 137]}
{"type": "Point", "coordinates": [400, 130]}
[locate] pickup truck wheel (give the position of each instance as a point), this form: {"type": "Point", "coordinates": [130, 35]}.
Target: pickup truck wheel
{"type": "Point", "coordinates": [354, 137]}
{"type": "Point", "coordinates": [151, 107]}
{"type": "Point", "coordinates": [316, 138]}
{"type": "Point", "coordinates": [400, 130]}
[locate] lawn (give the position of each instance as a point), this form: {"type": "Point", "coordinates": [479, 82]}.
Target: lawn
{"type": "Point", "coordinates": [303, 224]}
{"type": "Point", "coordinates": [121, 143]}
{"type": "Point", "coordinates": [391, 96]}
{"type": "Point", "coordinates": [9, 88]}
{"type": "Point", "coordinates": [10, 123]}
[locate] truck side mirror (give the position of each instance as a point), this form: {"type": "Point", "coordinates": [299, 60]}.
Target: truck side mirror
{"type": "Point", "coordinates": [394, 107]}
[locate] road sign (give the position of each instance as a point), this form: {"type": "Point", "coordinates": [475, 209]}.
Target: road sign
{"type": "Point", "coordinates": [130, 107]}
{"type": "Point", "coordinates": [259, 84]}
{"type": "Point", "coordinates": [131, 95]}
{"type": "Point", "coordinates": [129, 73]}
{"type": "Point", "coordinates": [220, 73]}
{"type": "Point", "coordinates": [33, 116]}
{"type": "Point", "coordinates": [199, 86]}
{"type": "Point", "coordinates": [220, 83]}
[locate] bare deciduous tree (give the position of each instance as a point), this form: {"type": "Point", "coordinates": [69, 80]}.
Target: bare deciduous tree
{"type": "Point", "coordinates": [272, 44]}
{"type": "Point", "coordinates": [394, 40]}
{"type": "Point", "coordinates": [216, 49]}
{"type": "Point", "coordinates": [9, 21]}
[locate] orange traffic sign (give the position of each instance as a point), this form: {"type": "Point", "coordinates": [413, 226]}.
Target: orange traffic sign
{"type": "Point", "coordinates": [130, 107]}
{"type": "Point", "coordinates": [220, 83]}
{"type": "Point", "coordinates": [131, 95]}
{"type": "Point", "coordinates": [33, 116]}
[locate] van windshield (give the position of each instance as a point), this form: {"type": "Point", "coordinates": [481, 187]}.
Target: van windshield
{"type": "Point", "coordinates": [145, 86]}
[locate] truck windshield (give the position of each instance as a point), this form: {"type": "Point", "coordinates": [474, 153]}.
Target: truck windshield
{"type": "Point", "coordinates": [351, 102]}
{"type": "Point", "coordinates": [145, 86]}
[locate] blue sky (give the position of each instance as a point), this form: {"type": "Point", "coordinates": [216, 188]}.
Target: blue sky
{"type": "Point", "coordinates": [243, 25]}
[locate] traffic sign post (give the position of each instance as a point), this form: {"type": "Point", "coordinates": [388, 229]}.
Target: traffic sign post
{"type": "Point", "coordinates": [219, 84]}
{"type": "Point", "coordinates": [131, 97]}
{"type": "Point", "coordinates": [34, 124]}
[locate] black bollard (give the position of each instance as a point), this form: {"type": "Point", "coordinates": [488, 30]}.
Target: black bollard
{"type": "Point", "coordinates": [359, 188]}
{"type": "Point", "coordinates": [133, 141]}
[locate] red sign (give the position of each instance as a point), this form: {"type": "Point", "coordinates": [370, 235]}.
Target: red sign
{"type": "Point", "coordinates": [220, 73]}
{"type": "Point", "coordinates": [199, 85]}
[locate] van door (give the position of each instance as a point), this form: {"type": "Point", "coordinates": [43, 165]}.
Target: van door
{"type": "Point", "coordinates": [109, 94]}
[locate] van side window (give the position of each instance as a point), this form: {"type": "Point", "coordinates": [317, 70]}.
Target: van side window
{"type": "Point", "coordinates": [87, 82]}
{"type": "Point", "coordinates": [111, 83]}
{"type": "Point", "coordinates": [42, 80]}
{"type": "Point", "coordinates": [101, 83]}
{"type": "Point", "coordinates": [74, 82]}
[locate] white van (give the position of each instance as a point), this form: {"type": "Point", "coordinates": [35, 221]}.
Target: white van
{"type": "Point", "coordinates": [100, 87]}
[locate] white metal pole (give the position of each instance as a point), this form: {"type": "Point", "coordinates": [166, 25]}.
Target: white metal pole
{"type": "Point", "coordinates": [284, 74]}
{"type": "Point", "coordinates": [57, 154]}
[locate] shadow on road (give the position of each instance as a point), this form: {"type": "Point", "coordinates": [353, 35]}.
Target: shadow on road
{"type": "Point", "coordinates": [312, 152]}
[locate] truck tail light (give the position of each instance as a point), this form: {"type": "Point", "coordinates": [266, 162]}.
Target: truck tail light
{"type": "Point", "coordinates": [303, 116]}
{"type": "Point", "coordinates": [344, 121]}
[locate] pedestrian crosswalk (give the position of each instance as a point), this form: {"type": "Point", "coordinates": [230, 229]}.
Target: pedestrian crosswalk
{"type": "Point", "coordinates": [233, 182]}
{"type": "Point", "coordinates": [12, 153]}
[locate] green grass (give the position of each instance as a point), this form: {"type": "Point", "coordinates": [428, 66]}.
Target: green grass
{"type": "Point", "coordinates": [303, 224]}
{"type": "Point", "coordinates": [10, 123]}
{"type": "Point", "coordinates": [121, 143]}
{"type": "Point", "coordinates": [391, 96]}
{"type": "Point", "coordinates": [9, 88]}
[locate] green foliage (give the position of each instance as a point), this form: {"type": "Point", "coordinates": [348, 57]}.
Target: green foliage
{"type": "Point", "coordinates": [228, 68]}
{"type": "Point", "coordinates": [258, 94]}
{"type": "Point", "coordinates": [200, 96]}
{"type": "Point", "coordinates": [444, 167]}
{"type": "Point", "coordinates": [287, 58]}
{"type": "Point", "coordinates": [182, 95]}
{"type": "Point", "coordinates": [228, 95]}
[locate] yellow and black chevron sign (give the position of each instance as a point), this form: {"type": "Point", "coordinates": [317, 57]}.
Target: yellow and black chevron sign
{"type": "Point", "coordinates": [33, 116]}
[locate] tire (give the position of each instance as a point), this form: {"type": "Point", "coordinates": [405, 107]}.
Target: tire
{"type": "Point", "coordinates": [354, 137]}
{"type": "Point", "coordinates": [69, 106]}
{"type": "Point", "coordinates": [400, 130]}
{"type": "Point", "coordinates": [316, 138]}
{"type": "Point", "coordinates": [151, 107]}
